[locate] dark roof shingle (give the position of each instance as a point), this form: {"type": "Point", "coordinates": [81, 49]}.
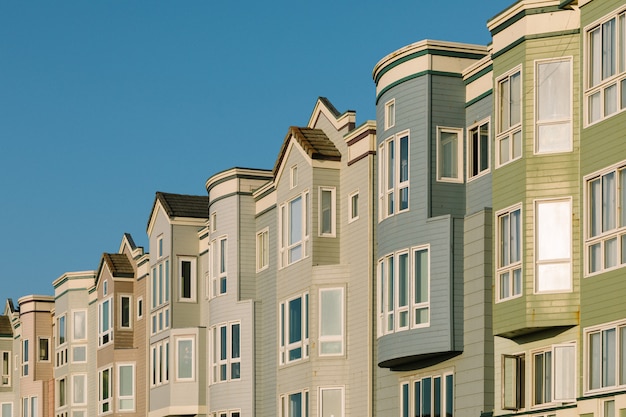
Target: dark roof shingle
{"type": "Point", "coordinates": [313, 141]}
{"type": "Point", "coordinates": [5, 326]}
{"type": "Point", "coordinates": [119, 265]}
{"type": "Point", "coordinates": [181, 205]}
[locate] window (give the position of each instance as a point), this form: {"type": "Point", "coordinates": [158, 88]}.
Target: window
{"type": "Point", "coordinates": [553, 112]}
{"type": "Point", "coordinates": [25, 354]}
{"type": "Point", "coordinates": [160, 363]}
{"type": "Point", "coordinates": [512, 382]}
{"type": "Point", "coordinates": [553, 243]}
{"type": "Point", "coordinates": [605, 54]}
{"type": "Point", "coordinates": [403, 284]}
{"type": "Point", "coordinates": [44, 349]}
{"type": "Point", "coordinates": [262, 250]}
{"type": "Point", "coordinates": [393, 175]}
{"type": "Point", "coordinates": [293, 177]}
{"type": "Point", "coordinates": [294, 329]}
{"type": "Point", "coordinates": [126, 313]}
{"type": "Point", "coordinates": [226, 352]}
{"type": "Point", "coordinates": [105, 288]}
{"type": "Point", "coordinates": [61, 393]}
{"type": "Point", "coordinates": [605, 240]}
{"type": "Point", "coordinates": [186, 359]}
{"type": "Point", "coordinates": [478, 150]}
{"type": "Point", "coordinates": [105, 328]}
{"type": "Point", "coordinates": [605, 357]}
{"type": "Point", "coordinates": [5, 376]}
{"type": "Point", "coordinates": [139, 308]}
{"type": "Point", "coordinates": [331, 402]}
{"type": "Point", "coordinates": [331, 321]}
{"type": "Point", "coordinates": [608, 408]}
{"type": "Point", "coordinates": [213, 222]}
{"type": "Point", "coordinates": [295, 404]}
{"type": "Point", "coordinates": [61, 331]}
{"type": "Point", "coordinates": [160, 313]}
{"type": "Point", "coordinates": [6, 409]}
{"type": "Point", "coordinates": [449, 154]}
{"type": "Point", "coordinates": [79, 325]}
{"type": "Point", "coordinates": [509, 111]}
{"type": "Point", "coordinates": [390, 114]}
{"type": "Point", "coordinates": [553, 374]}
{"type": "Point", "coordinates": [294, 229]}
{"type": "Point", "coordinates": [32, 404]}
{"type": "Point", "coordinates": [218, 266]}
{"type": "Point", "coordinates": [427, 396]}
{"type": "Point", "coordinates": [79, 354]}
{"type": "Point", "coordinates": [509, 273]}
{"type": "Point", "coordinates": [104, 391]}
{"type": "Point", "coordinates": [126, 387]}
{"type": "Point", "coordinates": [160, 246]}
{"type": "Point", "coordinates": [79, 389]}
{"type": "Point", "coordinates": [354, 206]}
{"type": "Point", "coordinates": [187, 278]}
{"type": "Point", "coordinates": [327, 217]}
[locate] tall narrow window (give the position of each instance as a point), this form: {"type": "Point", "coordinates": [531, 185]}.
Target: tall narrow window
{"type": "Point", "coordinates": [390, 114]}
{"type": "Point", "coordinates": [327, 218]}
{"type": "Point", "coordinates": [61, 331]}
{"type": "Point", "coordinates": [187, 278]}
{"type": "Point", "coordinates": [125, 311]}
{"type": "Point", "coordinates": [294, 234]}
{"type": "Point", "coordinates": [478, 150]}
{"type": "Point", "coordinates": [222, 265]}
{"type": "Point", "coordinates": [331, 402]}
{"type": "Point", "coordinates": [5, 376]}
{"type": "Point", "coordinates": [186, 359]}
{"type": "Point", "coordinates": [449, 151]}
{"type": "Point", "coordinates": [509, 105]}
{"type": "Point", "coordinates": [61, 393]}
{"type": "Point", "coordinates": [293, 177]}
{"type": "Point", "coordinates": [79, 389]}
{"type": "Point", "coordinates": [6, 409]}
{"type": "Point", "coordinates": [105, 333]}
{"type": "Point", "coordinates": [44, 349]}
{"type": "Point", "coordinates": [235, 351]}
{"type": "Point", "coordinates": [105, 391]}
{"type": "Point", "coordinates": [393, 175]}
{"type": "Point", "coordinates": [554, 106]}
{"type": "Point", "coordinates": [331, 321]}
{"type": "Point", "coordinates": [509, 271]}
{"type": "Point", "coordinates": [126, 387]}
{"type": "Point", "coordinates": [421, 287]}
{"type": "Point", "coordinates": [262, 250]}
{"type": "Point", "coordinates": [512, 382]}
{"type": "Point", "coordinates": [354, 206]}
{"type": "Point", "coordinates": [25, 357]}
{"type": "Point", "coordinates": [294, 329]}
{"type": "Point", "coordinates": [79, 319]}
{"type": "Point", "coordinates": [553, 246]}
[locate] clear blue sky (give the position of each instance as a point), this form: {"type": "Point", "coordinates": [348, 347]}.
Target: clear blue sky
{"type": "Point", "coordinates": [103, 103]}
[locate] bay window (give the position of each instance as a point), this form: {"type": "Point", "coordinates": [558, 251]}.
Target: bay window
{"type": "Point", "coordinates": [509, 266]}
{"type": "Point", "coordinates": [449, 154]}
{"type": "Point", "coordinates": [294, 229]}
{"type": "Point", "coordinates": [513, 382]}
{"type": "Point", "coordinates": [554, 374]}
{"type": "Point", "coordinates": [331, 302]}
{"type": "Point", "coordinates": [295, 404]}
{"type": "Point", "coordinates": [294, 329]}
{"type": "Point", "coordinates": [393, 175]}
{"type": "Point", "coordinates": [126, 387]}
{"type": "Point", "coordinates": [478, 150]}
{"type": "Point", "coordinates": [553, 246]}
{"type": "Point", "coordinates": [553, 112]}
{"type": "Point", "coordinates": [226, 352]}
{"type": "Point", "coordinates": [427, 396]}
{"type": "Point", "coordinates": [605, 357]}
{"type": "Point", "coordinates": [509, 117]}
{"type": "Point", "coordinates": [105, 327]}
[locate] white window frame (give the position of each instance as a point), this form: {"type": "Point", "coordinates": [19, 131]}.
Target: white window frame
{"type": "Point", "coordinates": [140, 307]}
{"type": "Point", "coordinates": [2, 408]}
{"type": "Point", "coordinates": [519, 377]}
{"type": "Point", "coordinates": [409, 385]}
{"type": "Point", "coordinates": [283, 330]}
{"type": "Point", "coordinates": [160, 251]}
{"type": "Point", "coordinates": [85, 325]}
{"type": "Point", "coordinates": [477, 127]}
{"type": "Point", "coordinates": [160, 295]}
{"type": "Point", "coordinates": [213, 222]}
{"type": "Point", "coordinates": [390, 311]}
{"type": "Point", "coordinates": [618, 327]}
{"type": "Point", "coordinates": [25, 357]}
{"type": "Point", "coordinates": [353, 206]}
{"type": "Point", "coordinates": [293, 177]}
{"type": "Point", "coordinates": [283, 403]}
{"type": "Point", "coordinates": [341, 389]}
{"type": "Point", "coordinates": [262, 250]}
{"type": "Point", "coordinates": [508, 132]}
{"type": "Point", "coordinates": [458, 178]}
{"type": "Point", "coordinates": [616, 233]}
{"type": "Point", "coordinates": [178, 340]}
{"type": "Point", "coordinates": [617, 80]}
{"type": "Point", "coordinates": [121, 298]}
{"type": "Point", "coordinates": [228, 360]}
{"type": "Point", "coordinates": [391, 189]}
{"type": "Point", "coordinates": [284, 228]}
{"type": "Point", "coordinates": [332, 339]}
{"type": "Point", "coordinates": [193, 279]}
{"type": "Point", "coordinates": [560, 121]}
{"type": "Point", "coordinates": [390, 114]}
{"type": "Point", "coordinates": [553, 233]}
{"type": "Point", "coordinates": [556, 379]}
{"type": "Point", "coordinates": [105, 333]}
{"type": "Point", "coordinates": [5, 375]}
{"type": "Point", "coordinates": [39, 340]}
{"type": "Point", "coordinates": [61, 325]}
{"type": "Point", "coordinates": [75, 383]}
{"type": "Point", "coordinates": [74, 347]}
{"type": "Point", "coordinates": [121, 397]}
{"type": "Point", "coordinates": [159, 363]}
{"type": "Point", "coordinates": [108, 401]}
{"type": "Point", "coordinates": [333, 212]}
{"type": "Point", "coordinates": [511, 266]}
{"type": "Point", "coordinates": [61, 401]}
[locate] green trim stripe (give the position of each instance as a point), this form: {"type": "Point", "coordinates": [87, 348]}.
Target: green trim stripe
{"type": "Point", "coordinates": [418, 54]}
{"type": "Point", "coordinates": [479, 74]}
{"type": "Point", "coordinates": [519, 16]}
{"type": "Point", "coordinates": [478, 98]}
{"type": "Point", "coordinates": [413, 76]}
{"type": "Point", "coordinates": [534, 37]}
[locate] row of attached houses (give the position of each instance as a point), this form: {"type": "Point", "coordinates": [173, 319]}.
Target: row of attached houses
{"type": "Point", "coordinates": [461, 255]}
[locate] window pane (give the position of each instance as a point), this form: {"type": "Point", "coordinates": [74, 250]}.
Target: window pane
{"type": "Point", "coordinates": [79, 325]}
{"type": "Point", "coordinates": [610, 253]}
{"type": "Point", "coordinates": [295, 221]}
{"type": "Point", "coordinates": [405, 400]}
{"type": "Point", "coordinates": [595, 207]}
{"type": "Point", "coordinates": [554, 230]}
{"type": "Point", "coordinates": [185, 267]}
{"type": "Point", "coordinates": [595, 46]}
{"type": "Point", "coordinates": [126, 380]}
{"type": "Point", "coordinates": [236, 345]}
{"type": "Point", "coordinates": [417, 398]}
{"type": "Point", "coordinates": [554, 87]}
{"type": "Point", "coordinates": [516, 92]}
{"type": "Point", "coordinates": [403, 280]}
{"type": "Point", "coordinates": [622, 358]}
{"type": "Point", "coordinates": [421, 276]}
{"type": "Point", "coordinates": [7, 410]}
{"type": "Point", "coordinates": [594, 107]}
{"type": "Point", "coordinates": [78, 386]}
{"type": "Point", "coordinates": [295, 405]}
{"type": "Point", "coordinates": [295, 320]}
{"type": "Point", "coordinates": [517, 144]}
{"type": "Point", "coordinates": [331, 312]}
{"type": "Point", "coordinates": [608, 358]}
{"type": "Point", "coordinates": [449, 155]}
{"type": "Point", "coordinates": [404, 159]}
{"type": "Point", "coordinates": [608, 49]}
{"type": "Point", "coordinates": [610, 100]}
{"type": "Point", "coordinates": [505, 121]}
{"type": "Point", "coordinates": [449, 395]}
{"type": "Point", "coordinates": [326, 226]}
{"type": "Point", "coordinates": [564, 375]}
{"type": "Point", "coordinates": [484, 147]}
{"type": "Point", "coordinates": [608, 202]}
{"type": "Point", "coordinates": [426, 398]}
{"type": "Point", "coordinates": [332, 402]}
{"type": "Point", "coordinates": [44, 349]}
{"type": "Point", "coordinates": [125, 319]}
{"type": "Point", "coordinates": [515, 236]}
{"type": "Point", "coordinates": [185, 358]}
{"type": "Point", "coordinates": [505, 150]}
{"type": "Point", "coordinates": [595, 360]}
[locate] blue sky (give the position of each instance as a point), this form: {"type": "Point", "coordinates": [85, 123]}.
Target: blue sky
{"type": "Point", "coordinates": [103, 103]}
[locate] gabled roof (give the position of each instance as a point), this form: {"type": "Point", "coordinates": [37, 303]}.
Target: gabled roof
{"type": "Point", "coordinates": [314, 142]}
{"type": "Point", "coordinates": [118, 264]}
{"type": "Point", "coordinates": [181, 205]}
{"type": "Point", "coordinates": [5, 327]}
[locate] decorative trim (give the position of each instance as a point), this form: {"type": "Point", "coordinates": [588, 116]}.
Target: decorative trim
{"type": "Point", "coordinates": [358, 158]}
{"type": "Point", "coordinates": [533, 37]}
{"type": "Point", "coordinates": [413, 76]}
{"type": "Point", "coordinates": [478, 98]}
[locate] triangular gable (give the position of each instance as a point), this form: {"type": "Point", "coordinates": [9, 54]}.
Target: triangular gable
{"type": "Point", "coordinates": [338, 120]}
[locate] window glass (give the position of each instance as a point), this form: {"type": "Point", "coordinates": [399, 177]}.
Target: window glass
{"type": "Point", "coordinates": [332, 402]}
{"type": "Point", "coordinates": [326, 211]}
{"type": "Point", "coordinates": [126, 387]}
{"type": "Point", "coordinates": [554, 127]}
{"type": "Point", "coordinates": [125, 312]}
{"type": "Point", "coordinates": [185, 359]}
{"type": "Point", "coordinates": [331, 321]}
{"type": "Point", "coordinates": [61, 330]}
{"type": "Point", "coordinates": [7, 410]}
{"type": "Point", "coordinates": [44, 347]}
{"type": "Point", "coordinates": [78, 389]}
{"type": "Point", "coordinates": [554, 244]}
{"type": "Point", "coordinates": [80, 327]}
